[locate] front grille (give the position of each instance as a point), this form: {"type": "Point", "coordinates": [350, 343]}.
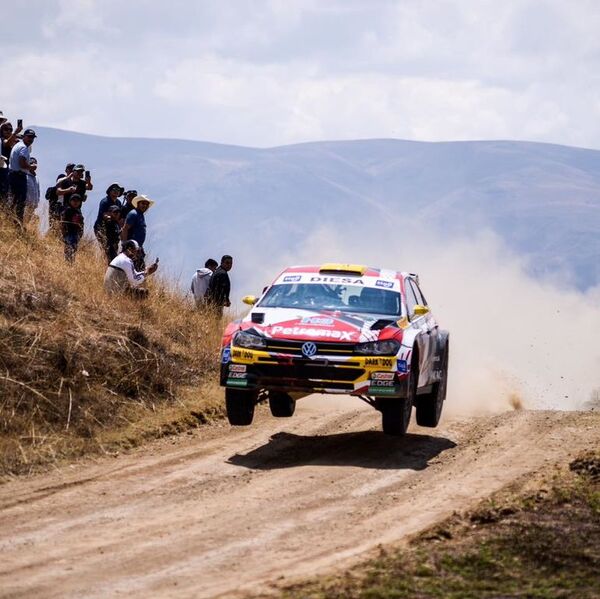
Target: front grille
{"type": "Point", "coordinates": [306, 371]}
{"type": "Point", "coordinates": [323, 347]}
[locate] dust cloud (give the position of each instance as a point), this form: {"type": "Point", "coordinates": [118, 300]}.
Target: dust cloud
{"type": "Point", "coordinates": [515, 341]}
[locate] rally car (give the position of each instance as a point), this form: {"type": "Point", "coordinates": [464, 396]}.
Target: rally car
{"type": "Point", "coordinates": [338, 328]}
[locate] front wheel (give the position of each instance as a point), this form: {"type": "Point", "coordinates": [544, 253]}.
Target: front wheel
{"type": "Point", "coordinates": [395, 415]}
{"type": "Point", "coordinates": [281, 404]}
{"type": "Point", "coordinates": [240, 406]}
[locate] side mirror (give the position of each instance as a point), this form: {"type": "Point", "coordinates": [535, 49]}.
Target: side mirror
{"type": "Point", "coordinates": [250, 299]}
{"type": "Point", "coordinates": [420, 310]}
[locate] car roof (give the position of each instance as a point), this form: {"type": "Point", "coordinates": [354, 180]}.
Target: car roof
{"type": "Point", "coordinates": [349, 270]}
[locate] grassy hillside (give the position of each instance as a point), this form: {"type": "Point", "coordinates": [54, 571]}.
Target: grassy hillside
{"type": "Point", "coordinates": [81, 372]}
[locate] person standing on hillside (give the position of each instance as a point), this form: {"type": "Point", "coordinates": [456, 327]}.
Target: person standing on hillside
{"type": "Point", "coordinates": [33, 191]}
{"type": "Point", "coordinates": [72, 226]}
{"type": "Point", "coordinates": [73, 183]}
{"type": "Point", "coordinates": [19, 167]}
{"type": "Point", "coordinates": [127, 199]}
{"type": "Point", "coordinates": [135, 227]}
{"type": "Point", "coordinates": [8, 138]}
{"type": "Point", "coordinates": [113, 192]}
{"type": "Point", "coordinates": [219, 288]}
{"type": "Point", "coordinates": [121, 275]}
{"type": "Point", "coordinates": [201, 280]}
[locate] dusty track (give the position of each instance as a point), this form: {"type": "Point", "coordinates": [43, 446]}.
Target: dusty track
{"type": "Point", "coordinates": [228, 511]}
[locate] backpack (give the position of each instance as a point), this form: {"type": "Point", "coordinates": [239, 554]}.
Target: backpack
{"type": "Point", "coordinates": [51, 195]}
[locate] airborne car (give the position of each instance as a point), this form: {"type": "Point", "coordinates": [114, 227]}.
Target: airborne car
{"type": "Point", "coordinates": [338, 328]}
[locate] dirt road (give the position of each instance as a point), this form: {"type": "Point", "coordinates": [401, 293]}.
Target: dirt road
{"type": "Point", "coordinates": [227, 512]}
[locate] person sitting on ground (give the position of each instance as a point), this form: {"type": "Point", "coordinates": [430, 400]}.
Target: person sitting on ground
{"type": "Point", "coordinates": [200, 281]}
{"type": "Point", "coordinates": [217, 294]}
{"type": "Point", "coordinates": [135, 226]}
{"type": "Point", "coordinates": [18, 169]}
{"type": "Point", "coordinates": [121, 276]}
{"type": "Point", "coordinates": [72, 183]}
{"type": "Point", "coordinates": [127, 199]}
{"type": "Point", "coordinates": [113, 192]}
{"type": "Point", "coordinates": [72, 226]}
{"type": "Point", "coordinates": [33, 191]}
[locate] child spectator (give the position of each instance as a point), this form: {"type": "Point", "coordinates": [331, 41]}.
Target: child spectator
{"type": "Point", "coordinates": [72, 226]}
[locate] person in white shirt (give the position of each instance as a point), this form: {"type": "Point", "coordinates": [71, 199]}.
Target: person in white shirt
{"type": "Point", "coordinates": [122, 277]}
{"type": "Point", "coordinates": [200, 281]}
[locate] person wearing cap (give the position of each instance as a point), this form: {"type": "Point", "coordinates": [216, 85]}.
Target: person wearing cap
{"type": "Point", "coordinates": [33, 191]}
{"type": "Point", "coordinates": [121, 276]}
{"type": "Point", "coordinates": [127, 205]}
{"type": "Point", "coordinates": [72, 226]}
{"type": "Point", "coordinates": [113, 192]}
{"type": "Point", "coordinates": [72, 183]}
{"type": "Point", "coordinates": [135, 226]}
{"type": "Point", "coordinates": [18, 168]}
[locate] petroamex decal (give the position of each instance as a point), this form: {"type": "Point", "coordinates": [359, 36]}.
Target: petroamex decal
{"type": "Point", "coordinates": [317, 320]}
{"type": "Point", "coordinates": [312, 333]}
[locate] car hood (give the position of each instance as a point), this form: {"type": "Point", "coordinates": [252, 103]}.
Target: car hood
{"type": "Point", "coordinates": [298, 324]}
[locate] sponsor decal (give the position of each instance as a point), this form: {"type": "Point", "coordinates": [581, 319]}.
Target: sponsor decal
{"type": "Point", "coordinates": [337, 280]}
{"type": "Point", "coordinates": [306, 332]}
{"type": "Point", "coordinates": [380, 376]}
{"type": "Point", "coordinates": [292, 278]}
{"type": "Point", "coordinates": [226, 355]}
{"type": "Point", "coordinates": [382, 390]}
{"type": "Point", "coordinates": [237, 368]}
{"type": "Point", "coordinates": [237, 382]}
{"type": "Point", "coordinates": [317, 320]}
{"type": "Point", "coordinates": [384, 362]}
{"type": "Point", "coordinates": [237, 375]}
{"type": "Point", "coordinates": [382, 383]}
{"type": "Point", "coordinates": [385, 284]}
{"type": "Point", "coordinates": [309, 349]}
{"type": "Point", "coordinates": [402, 366]}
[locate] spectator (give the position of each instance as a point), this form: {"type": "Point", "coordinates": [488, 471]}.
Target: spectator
{"type": "Point", "coordinates": [72, 226]}
{"type": "Point", "coordinates": [33, 191]}
{"type": "Point", "coordinates": [8, 138]}
{"type": "Point", "coordinates": [70, 184]}
{"type": "Point", "coordinates": [121, 275]}
{"type": "Point", "coordinates": [127, 205]}
{"type": "Point", "coordinates": [19, 167]}
{"type": "Point", "coordinates": [135, 227]}
{"type": "Point", "coordinates": [110, 231]}
{"type": "Point", "coordinates": [217, 294]}
{"type": "Point", "coordinates": [200, 281]}
{"type": "Point", "coordinates": [113, 192]}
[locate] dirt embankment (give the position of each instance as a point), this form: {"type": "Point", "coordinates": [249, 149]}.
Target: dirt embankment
{"type": "Point", "coordinates": [232, 512]}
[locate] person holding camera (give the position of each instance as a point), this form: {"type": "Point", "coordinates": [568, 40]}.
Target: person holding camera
{"type": "Point", "coordinates": [121, 275]}
{"type": "Point", "coordinates": [78, 181]}
{"type": "Point", "coordinates": [19, 167]}
{"type": "Point", "coordinates": [8, 138]}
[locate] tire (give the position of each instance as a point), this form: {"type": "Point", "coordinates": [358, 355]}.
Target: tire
{"type": "Point", "coordinates": [429, 407]}
{"type": "Point", "coordinates": [240, 406]}
{"type": "Point", "coordinates": [281, 404]}
{"type": "Point", "coordinates": [395, 415]}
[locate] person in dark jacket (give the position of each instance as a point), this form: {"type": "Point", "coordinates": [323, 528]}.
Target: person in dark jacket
{"type": "Point", "coordinates": [219, 288]}
{"type": "Point", "coordinates": [111, 231]}
{"type": "Point", "coordinates": [72, 226]}
{"type": "Point", "coordinates": [113, 193]}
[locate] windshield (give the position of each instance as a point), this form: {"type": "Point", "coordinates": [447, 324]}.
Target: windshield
{"type": "Point", "coordinates": [322, 296]}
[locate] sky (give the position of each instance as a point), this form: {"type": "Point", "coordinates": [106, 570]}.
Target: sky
{"type": "Point", "coordinates": [271, 72]}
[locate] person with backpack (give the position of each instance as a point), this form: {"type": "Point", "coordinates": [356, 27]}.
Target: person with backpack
{"type": "Point", "coordinates": [201, 280]}
{"type": "Point", "coordinates": [72, 226]}
{"type": "Point", "coordinates": [113, 192]}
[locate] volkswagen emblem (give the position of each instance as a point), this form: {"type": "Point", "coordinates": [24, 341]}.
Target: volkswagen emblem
{"type": "Point", "coordinates": [309, 349]}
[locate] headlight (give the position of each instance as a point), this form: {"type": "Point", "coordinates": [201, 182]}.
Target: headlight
{"type": "Point", "coordinates": [378, 348]}
{"type": "Point", "coordinates": [244, 339]}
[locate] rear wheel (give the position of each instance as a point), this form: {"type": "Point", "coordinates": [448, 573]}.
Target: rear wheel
{"type": "Point", "coordinates": [240, 406]}
{"type": "Point", "coordinates": [281, 404]}
{"type": "Point", "coordinates": [429, 407]}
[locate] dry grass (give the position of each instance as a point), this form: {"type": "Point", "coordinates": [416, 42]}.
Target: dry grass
{"type": "Point", "coordinates": [81, 371]}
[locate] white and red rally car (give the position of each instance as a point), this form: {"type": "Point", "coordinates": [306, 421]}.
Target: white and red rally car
{"type": "Point", "coordinates": [338, 328]}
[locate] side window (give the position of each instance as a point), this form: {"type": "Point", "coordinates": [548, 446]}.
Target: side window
{"type": "Point", "coordinates": [411, 298]}
{"type": "Point", "coordinates": [420, 297]}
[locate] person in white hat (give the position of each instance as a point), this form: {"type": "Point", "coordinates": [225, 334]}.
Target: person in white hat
{"type": "Point", "coordinates": [135, 226]}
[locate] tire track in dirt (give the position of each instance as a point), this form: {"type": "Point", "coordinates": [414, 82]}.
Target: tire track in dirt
{"type": "Point", "coordinates": [228, 511]}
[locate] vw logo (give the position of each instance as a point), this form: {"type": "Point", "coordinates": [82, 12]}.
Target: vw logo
{"type": "Point", "coordinates": [309, 349]}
